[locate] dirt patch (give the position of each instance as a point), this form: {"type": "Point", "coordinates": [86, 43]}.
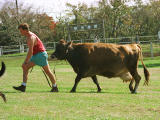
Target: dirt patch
{"type": "Point", "coordinates": [154, 110]}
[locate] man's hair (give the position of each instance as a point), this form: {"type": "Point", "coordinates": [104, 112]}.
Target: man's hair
{"type": "Point", "coordinates": [24, 26]}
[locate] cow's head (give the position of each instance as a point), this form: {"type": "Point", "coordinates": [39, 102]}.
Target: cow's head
{"type": "Point", "coordinates": [61, 50]}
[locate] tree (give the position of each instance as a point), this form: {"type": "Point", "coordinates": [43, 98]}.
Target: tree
{"type": "Point", "coordinates": [40, 23]}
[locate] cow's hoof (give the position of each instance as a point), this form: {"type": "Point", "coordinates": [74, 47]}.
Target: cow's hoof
{"type": "Point", "coordinates": [131, 90]}
{"type": "Point", "coordinates": [134, 92]}
{"type": "Point", "coordinates": [72, 91]}
{"type": "Point", "coordinates": [99, 91]}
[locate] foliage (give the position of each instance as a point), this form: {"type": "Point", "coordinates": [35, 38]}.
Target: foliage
{"type": "Point", "coordinates": [120, 20]}
{"type": "Point", "coordinates": [40, 23]}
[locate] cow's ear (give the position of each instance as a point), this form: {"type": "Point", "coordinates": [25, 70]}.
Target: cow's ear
{"type": "Point", "coordinates": [62, 41]}
{"type": "Point", "coordinates": [69, 44]}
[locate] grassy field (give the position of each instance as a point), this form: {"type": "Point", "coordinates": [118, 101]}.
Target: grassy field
{"type": "Point", "coordinates": [114, 102]}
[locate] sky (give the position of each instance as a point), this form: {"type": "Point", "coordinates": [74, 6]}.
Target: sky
{"type": "Point", "coordinates": [53, 8]}
{"type": "Point", "coordinates": [57, 7]}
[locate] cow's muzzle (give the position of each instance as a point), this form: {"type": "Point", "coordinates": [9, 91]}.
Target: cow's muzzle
{"type": "Point", "coordinates": [53, 56]}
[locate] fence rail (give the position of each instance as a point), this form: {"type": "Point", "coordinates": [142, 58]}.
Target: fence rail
{"type": "Point", "coordinates": [150, 45]}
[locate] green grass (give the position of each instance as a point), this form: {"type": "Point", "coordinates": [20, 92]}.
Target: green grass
{"type": "Point", "coordinates": [114, 102]}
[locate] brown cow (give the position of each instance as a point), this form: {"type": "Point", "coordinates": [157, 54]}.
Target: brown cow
{"type": "Point", "coordinates": [108, 60]}
{"type": "Point", "coordinates": [3, 68]}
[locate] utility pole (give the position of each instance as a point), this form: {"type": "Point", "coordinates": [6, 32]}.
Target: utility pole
{"type": "Point", "coordinates": [17, 12]}
{"type": "Point", "coordinates": [17, 7]}
{"type": "Point", "coordinates": [20, 43]}
{"type": "Point", "coordinates": [104, 31]}
{"type": "Point", "coordinates": [104, 20]}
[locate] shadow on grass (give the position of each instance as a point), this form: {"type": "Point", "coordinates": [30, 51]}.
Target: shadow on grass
{"type": "Point", "coordinates": [25, 92]}
{"type": "Point", "coordinates": [90, 92]}
{"type": "Point", "coordinates": [150, 65]}
{"type": "Point", "coordinates": [9, 92]}
{"type": "Point", "coordinates": [94, 92]}
{"type": "Point", "coordinates": [77, 92]}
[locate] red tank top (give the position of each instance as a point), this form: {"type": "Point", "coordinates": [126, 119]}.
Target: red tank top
{"type": "Point", "coordinates": [39, 47]}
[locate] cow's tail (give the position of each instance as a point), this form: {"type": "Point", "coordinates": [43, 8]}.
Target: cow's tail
{"type": "Point", "coordinates": [3, 68]}
{"type": "Point", "coordinates": [146, 72]}
{"type": "Point", "coordinates": [3, 96]}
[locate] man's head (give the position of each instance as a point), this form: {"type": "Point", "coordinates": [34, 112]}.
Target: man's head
{"type": "Point", "coordinates": [23, 28]}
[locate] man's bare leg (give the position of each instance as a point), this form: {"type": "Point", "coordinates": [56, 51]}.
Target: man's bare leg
{"type": "Point", "coordinates": [51, 77]}
{"type": "Point", "coordinates": [25, 68]}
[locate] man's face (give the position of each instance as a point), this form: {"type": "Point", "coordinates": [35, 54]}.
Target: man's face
{"type": "Point", "coordinates": [22, 31]}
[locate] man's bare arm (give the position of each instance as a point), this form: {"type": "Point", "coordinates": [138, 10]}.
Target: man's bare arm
{"type": "Point", "coordinates": [30, 43]}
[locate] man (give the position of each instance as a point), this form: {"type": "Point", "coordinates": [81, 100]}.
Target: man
{"type": "Point", "coordinates": [36, 55]}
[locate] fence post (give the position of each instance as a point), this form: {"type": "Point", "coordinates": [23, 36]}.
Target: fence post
{"type": "Point", "coordinates": [159, 35]}
{"type": "Point", "coordinates": [132, 39]}
{"type": "Point", "coordinates": [137, 39]}
{"type": "Point", "coordinates": [0, 51]}
{"type": "Point", "coordinates": [21, 48]}
{"type": "Point", "coordinates": [96, 40]}
{"type": "Point", "coordinates": [151, 47]}
{"type": "Point", "coordinates": [104, 40]}
{"type": "Point", "coordinates": [54, 45]}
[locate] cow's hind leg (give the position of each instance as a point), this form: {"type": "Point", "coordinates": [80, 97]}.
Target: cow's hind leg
{"type": "Point", "coordinates": [130, 86]}
{"type": "Point", "coordinates": [94, 78]}
{"type": "Point", "coordinates": [78, 78]}
{"type": "Point", "coordinates": [128, 77]}
{"type": "Point", "coordinates": [137, 79]}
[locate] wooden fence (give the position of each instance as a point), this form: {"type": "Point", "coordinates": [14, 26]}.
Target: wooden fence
{"type": "Point", "coordinates": [150, 45]}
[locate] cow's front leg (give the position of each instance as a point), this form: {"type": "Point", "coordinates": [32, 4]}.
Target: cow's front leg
{"type": "Point", "coordinates": [94, 78]}
{"type": "Point", "coordinates": [130, 85]}
{"type": "Point", "coordinates": [78, 78]}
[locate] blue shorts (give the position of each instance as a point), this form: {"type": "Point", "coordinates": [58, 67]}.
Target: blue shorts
{"type": "Point", "coordinates": [40, 59]}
